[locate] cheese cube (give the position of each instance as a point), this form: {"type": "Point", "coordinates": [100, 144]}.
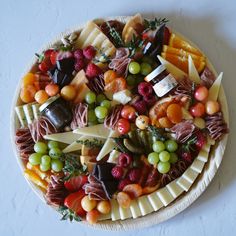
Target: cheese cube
{"type": "Point", "coordinates": [123, 96]}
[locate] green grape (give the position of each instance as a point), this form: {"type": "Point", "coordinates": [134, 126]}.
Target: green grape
{"type": "Point", "coordinates": [45, 168]}
{"type": "Point", "coordinates": [163, 167]}
{"type": "Point", "coordinates": [35, 159]}
{"type": "Point", "coordinates": [90, 97]}
{"type": "Point", "coordinates": [173, 158]}
{"type": "Point", "coordinates": [164, 156]}
{"type": "Point", "coordinates": [100, 121]}
{"type": "Point", "coordinates": [91, 116]}
{"type": "Point", "coordinates": [134, 67]}
{"type": "Point", "coordinates": [40, 147]}
{"type": "Point", "coordinates": [55, 153]}
{"type": "Point", "coordinates": [101, 112]}
{"type": "Point", "coordinates": [145, 68]}
{"type": "Point", "coordinates": [158, 146]}
{"type": "Point", "coordinates": [131, 81]}
{"type": "Point", "coordinates": [53, 144]}
{"type": "Point", "coordinates": [100, 97]}
{"type": "Point", "coordinates": [45, 160]}
{"type": "Point", "coordinates": [171, 145]}
{"type": "Point", "coordinates": [56, 165]}
{"type": "Point", "coordinates": [153, 158]}
{"type": "Point", "coordinates": [106, 103]}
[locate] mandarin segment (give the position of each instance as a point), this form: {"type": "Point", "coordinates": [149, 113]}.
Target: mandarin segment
{"type": "Point", "coordinates": [174, 113]}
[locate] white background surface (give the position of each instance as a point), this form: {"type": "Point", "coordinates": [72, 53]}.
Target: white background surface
{"type": "Point", "coordinates": [25, 26]}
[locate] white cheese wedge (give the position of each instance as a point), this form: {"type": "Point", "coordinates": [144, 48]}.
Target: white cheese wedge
{"type": "Point", "coordinates": [174, 189]}
{"type": "Point", "coordinates": [91, 37]}
{"type": "Point", "coordinates": [184, 183]}
{"type": "Point", "coordinates": [99, 131]}
{"type": "Point", "coordinates": [155, 201]}
{"type": "Point", "coordinates": [144, 205]}
{"type": "Point", "coordinates": [215, 88]}
{"type": "Point", "coordinates": [35, 109]}
{"type": "Point", "coordinates": [113, 157]}
{"type": "Point", "coordinates": [108, 146]}
{"type": "Point", "coordinates": [135, 210]}
{"type": "Point", "coordinates": [27, 108]}
{"type": "Point", "coordinates": [175, 71]}
{"type": "Point", "coordinates": [165, 196]}
{"type": "Point", "coordinates": [66, 137]}
{"type": "Point", "coordinates": [72, 147]}
{"type": "Point", "coordinates": [192, 71]}
{"type": "Point", "coordinates": [197, 165]}
{"type": "Point", "coordinates": [122, 97]}
{"type": "Point", "coordinates": [21, 116]}
{"type": "Point", "coordinates": [115, 214]}
{"type": "Point", "coordinates": [125, 213]}
{"type": "Point", "coordinates": [190, 175]}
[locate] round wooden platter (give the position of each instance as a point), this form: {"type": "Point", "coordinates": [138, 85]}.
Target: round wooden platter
{"type": "Point", "coordinates": [181, 202]}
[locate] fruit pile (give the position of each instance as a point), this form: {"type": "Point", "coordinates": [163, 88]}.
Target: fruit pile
{"type": "Point", "coordinates": [114, 113]}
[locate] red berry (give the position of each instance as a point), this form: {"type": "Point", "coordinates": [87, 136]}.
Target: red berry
{"type": "Point", "coordinates": [78, 54]}
{"type": "Point", "coordinates": [145, 89]}
{"type": "Point", "coordinates": [197, 110]}
{"type": "Point", "coordinates": [150, 99]}
{"type": "Point", "coordinates": [53, 57]}
{"type": "Point", "coordinates": [43, 67]}
{"type": "Point", "coordinates": [123, 126]}
{"type": "Point", "coordinates": [134, 175]}
{"type": "Point", "coordinates": [201, 140]}
{"type": "Point", "coordinates": [187, 157]}
{"type": "Point", "coordinates": [117, 172]}
{"type": "Point", "coordinates": [140, 106]}
{"type": "Point", "coordinates": [123, 183]}
{"type": "Point", "coordinates": [124, 160]}
{"type": "Point", "coordinates": [128, 112]}
{"type": "Point", "coordinates": [92, 70]}
{"type": "Point", "coordinates": [89, 52]}
{"type": "Point", "coordinates": [76, 183]}
{"type": "Point", "coordinates": [79, 64]}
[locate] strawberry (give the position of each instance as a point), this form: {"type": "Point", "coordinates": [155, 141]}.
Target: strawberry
{"type": "Point", "coordinates": [73, 202]}
{"type": "Point", "coordinates": [92, 70]}
{"type": "Point", "coordinates": [53, 57]}
{"type": "Point", "coordinates": [75, 183]}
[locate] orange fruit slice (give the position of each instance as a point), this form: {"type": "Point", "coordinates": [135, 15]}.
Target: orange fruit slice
{"type": "Point", "coordinates": [32, 176]}
{"type": "Point", "coordinates": [182, 62]}
{"type": "Point", "coordinates": [182, 52]}
{"type": "Point", "coordinates": [116, 85]}
{"type": "Point", "coordinates": [178, 42]}
{"type": "Point", "coordinates": [174, 113]}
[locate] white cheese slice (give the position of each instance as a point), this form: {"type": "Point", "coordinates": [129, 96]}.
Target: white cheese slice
{"type": "Point", "coordinates": [125, 213]}
{"type": "Point", "coordinates": [66, 137]}
{"type": "Point", "coordinates": [184, 183]}
{"type": "Point", "coordinates": [99, 131]}
{"type": "Point", "coordinates": [72, 147]}
{"type": "Point", "coordinates": [174, 189]}
{"type": "Point", "coordinates": [197, 165]}
{"type": "Point", "coordinates": [155, 201]}
{"type": "Point", "coordinates": [134, 208]}
{"type": "Point", "coordinates": [36, 112]}
{"type": "Point", "coordinates": [27, 108]}
{"type": "Point", "coordinates": [192, 71]}
{"type": "Point", "coordinates": [21, 116]}
{"type": "Point", "coordinates": [113, 157]}
{"type": "Point", "coordinates": [175, 71]}
{"type": "Point", "coordinates": [144, 205]}
{"type": "Point", "coordinates": [203, 156]}
{"type": "Point", "coordinates": [215, 88]}
{"type": "Point", "coordinates": [104, 217]}
{"type": "Point", "coordinates": [115, 214]}
{"type": "Point", "coordinates": [122, 97]}
{"type": "Point", "coordinates": [91, 37]}
{"type": "Point", "coordinates": [190, 175]}
{"type": "Point", "coordinates": [165, 196]}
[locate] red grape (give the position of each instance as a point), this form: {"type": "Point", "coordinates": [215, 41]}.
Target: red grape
{"type": "Point", "coordinates": [198, 110]}
{"type": "Point", "coordinates": [128, 112]}
{"type": "Point", "coordinates": [123, 126]}
{"type": "Point", "coordinates": [201, 93]}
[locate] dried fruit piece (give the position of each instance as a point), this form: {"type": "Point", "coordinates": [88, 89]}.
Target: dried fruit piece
{"type": "Point", "coordinates": [134, 190]}
{"type": "Point", "coordinates": [104, 207]}
{"type": "Point", "coordinates": [123, 199]}
{"type": "Point", "coordinates": [174, 113]}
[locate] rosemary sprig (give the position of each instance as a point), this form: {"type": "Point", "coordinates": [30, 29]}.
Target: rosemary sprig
{"type": "Point", "coordinates": [93, 143]}
{"type": "Point", "coordinates": [153, 24]}
{"type": "Point", "coordinates": [157, 132]}
{"type": "Point", "coordinates": [72, 166]}
{"type": "Point", "coordinates": [68, 214]}
{"type": "Point", "coordinates": [134, 45]}
{"type": "Point", "coordinates": [118, 41]}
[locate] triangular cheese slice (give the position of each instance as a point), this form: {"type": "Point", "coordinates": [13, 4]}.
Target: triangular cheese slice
{"type": "Point", "coordinates": [192, 71]}
{"type": "Point", "coordinates": [215, 88]}
{"type": "Point", "coordinates": [66, 137]}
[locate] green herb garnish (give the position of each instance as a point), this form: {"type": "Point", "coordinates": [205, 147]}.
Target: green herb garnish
{"type": "Point", "coordinates": [135, 45]}
{"type": "Point", "coordinates": [117, 39]}
{"type": "Point", "coordinates": [159, 133]}
{"type": "Point", "coordinates": [68, 214]}
{"type": "Point", "coordinates": [92, 143]}
{"type": "Point", "coordinates": [154, 24]}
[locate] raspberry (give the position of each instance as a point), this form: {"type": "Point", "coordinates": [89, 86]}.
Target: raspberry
{"type": "Point", "coordinates": [78, 54]}
{"type": "Point", "coordinates": [117, 172]}
{"type": "Point", "coordinates": [145, 89]}
{"type": "Point", "coordinates": [150, 99]}
{"type": "Point", "coordinates": [134, 174]}
{"type": "Point", "coordinates": [92, 70]}
{"type": "Point", "coordinates": [89, 52]}
{"type": "Point", "coordinates": [79, 64]}
{"type": "Point", "coordinates": [140, 106]}
{"type": "Point", "coordinates": [123, 183]}
{"type": "Point", "coordinates": [124, 160]}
